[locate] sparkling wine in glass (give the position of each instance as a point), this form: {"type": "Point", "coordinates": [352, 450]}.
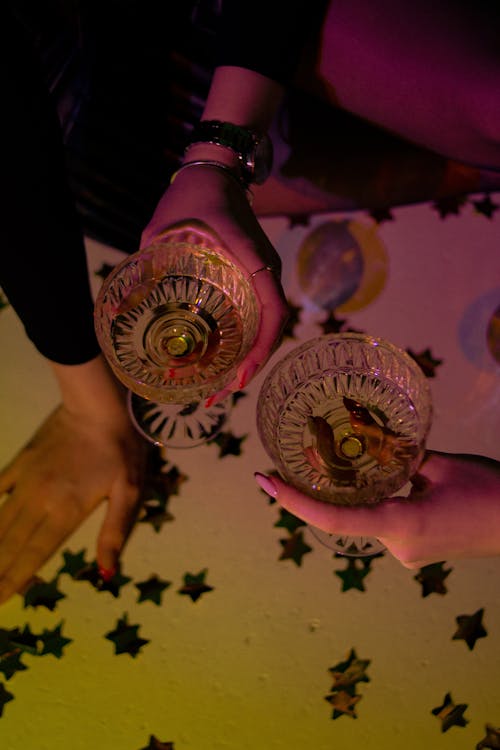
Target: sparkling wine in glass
{"type": "Point", "coordinates": [345, 417]}
{"type": "Point", "coordinates": [174, 321]}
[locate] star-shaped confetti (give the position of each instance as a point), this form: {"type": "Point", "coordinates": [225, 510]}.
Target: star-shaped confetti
{"type": "Point", "coordinates": [43, 594]}
{"type": "Point", "coordinates": [5, 697]}
{"type": "Point", "coordinates": [104, 270]}
{"type": "Point", "coordinates": [486, 207]}
{"type": "Point", "coordinates": [470, 628]}
{"type": "Point", "coordinates": [155, 744]}
{"type": "Point", "coordinates": [229, 444]}
{"type": "Point", "coordinates": [432, 578]}
{"type": "Point", "coordinates": [237, 396]}
{"type": "Point", "coordinates": [161, 485]}
{"type": "Point", "coordinates": [426, 362]}
{"type": "Point", "coordinates": [343, 704]}
{"type": "Point", "coordinates": [450, 714]}
{"type": "Point", "coordinates": [24, 640]}
{"type": "Point", "coordinates": [353, 575]}
{"type": "Point", "coordinates": [54, 642]}
{"type": "Point", "coordinates": [194, 585]}
{"type": "Point", "coordinates": [492, 739]}
{"type": "Point", "coordinates": [294, 548]}
{"type": "Point", "coordinates": [332, 324]}
{"type": "Point", "coordinates": [155, 514]}
{"type": "Point", "coordinates": [152, 589]}
{"type": "Point", "coordinates": [288, 521]}
{"type": "Point", "coordinates": [292, 320]}
{"type": "Point", "coordinates": [449, 205]}
{"type": "Point", "coordinates": [348, 673]}
{"type": "Point", "coordinates": [11, 663]}
{"type": "Point", "coordinates": [379, 215]}
{"type": "Point", "coordinates": [92, 575]}
{"type": "Point", "coordinates": [125, 637]}
{"type": "Point", "coordinates": [74, 563]}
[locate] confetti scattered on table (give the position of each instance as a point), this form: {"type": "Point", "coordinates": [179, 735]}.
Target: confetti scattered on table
{"type": "Point", "coordinates": [294, 548]}
{"type": "Point", "coordinates": [432, 578]}
{"type": "Point", "coordinates": [54, 642]}
{"type": "Point", "coordinates": [353, 575]}
{"type": "Point", "coordinates": [485, 206]}
{"type": "Point", "coordinates": [379, 215]}
{"type": "Point", "coordinates": [43, 594]}
{"type": "Point", "coordinates": [195, 586]}
{"type": "Point", "coordinates": [152, 589]}
{"type": "Point", "coordinates": [288, 521]}
{"type": "Point", "coordinates": [125, 637]}
{"type": "Point", "coordinates": [449, 206]}
{"type": "Point", "coordinates": [332, 324]}
{"type": "Point", "coordinates": [104, 271]}
{"type": "Point", "coordinates": [346, 674]}
{"type": "Point", "coordinates": [426, 362]}
{"type": "Point", "coordinates": [293, 319]}
{"type": "Point", "coordinates": [343, 704]}
{"type": "Point", "coordinates": [470, 628]}
{"type": "Point", "coordinates": [155, 744]}
{"type": "Point", "coordinates": [229, 444]}
{"type": "Point", "coordinates": [5, 697]}
{"type": "Point", "coordinates": [492, 739]}
{"type": "Point", "coordinates": [450, 714]}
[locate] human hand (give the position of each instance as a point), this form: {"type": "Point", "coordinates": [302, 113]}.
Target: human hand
{"type": "Point", "coordinates": [56, 481]}
{"type": "Point", "coordinates": [207, 200]}
{"type": "Point", "coordinates": [452, 511]}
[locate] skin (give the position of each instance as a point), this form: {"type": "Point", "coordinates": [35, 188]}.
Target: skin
{"type": "Point", "coordinates": [452, 512]}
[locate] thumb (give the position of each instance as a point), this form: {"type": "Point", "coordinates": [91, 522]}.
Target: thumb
{"type": "Point", "coordinates": [121, 513]}
{"type": "Point", "coordinates": [388, 518]}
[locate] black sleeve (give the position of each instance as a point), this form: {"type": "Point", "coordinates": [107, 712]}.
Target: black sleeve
{"type": "Point", "coordinates": [267, 36]}
{"type": "Point", "coordinates": [43, 268]}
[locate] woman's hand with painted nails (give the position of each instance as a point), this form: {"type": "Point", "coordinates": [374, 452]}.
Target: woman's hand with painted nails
{"type": "Point", "coordinates": [206, 197]}
{"type": "Point", "coordinates": [452, 511]}
{"type": "Point", "coordinates": [68, 467]}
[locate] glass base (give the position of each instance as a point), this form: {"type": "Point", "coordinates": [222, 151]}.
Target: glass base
{"type": "Point", "coordinates": [177, 425]}
{"type": "Point", "coordinates": [348, 546]}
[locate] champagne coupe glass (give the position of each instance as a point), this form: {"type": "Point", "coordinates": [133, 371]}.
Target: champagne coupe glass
{"type": "Point", "coordinates": [345, 417]}
{"type": "Point", "coordinates": [174, 321]}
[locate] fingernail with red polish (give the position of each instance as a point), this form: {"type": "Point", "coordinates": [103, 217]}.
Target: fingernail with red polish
{"type": "Point", "coordinates": [266, 483]}
{"type": "Point", "coordinates": [107, 573]}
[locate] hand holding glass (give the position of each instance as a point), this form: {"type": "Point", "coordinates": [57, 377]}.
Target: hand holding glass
{"type": "Point", "coordinates": [345, 417]}
{"type": "Point", "coordinates": [174, 321]}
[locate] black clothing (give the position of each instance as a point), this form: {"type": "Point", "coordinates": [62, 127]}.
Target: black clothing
{"type": "Point", "coordinates": [128, 81]}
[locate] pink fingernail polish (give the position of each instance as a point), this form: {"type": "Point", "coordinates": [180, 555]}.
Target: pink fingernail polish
{"type": "Point", "coordinates": [107, 573]}
{"type": "Point", "coordinates": [266, 483]}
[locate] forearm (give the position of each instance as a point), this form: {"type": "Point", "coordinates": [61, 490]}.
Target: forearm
{"type": "Point", "coordinates": [91, 391]}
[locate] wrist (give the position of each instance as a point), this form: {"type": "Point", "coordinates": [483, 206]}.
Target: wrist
{"type": "Point", "coordinates": [90, 390]}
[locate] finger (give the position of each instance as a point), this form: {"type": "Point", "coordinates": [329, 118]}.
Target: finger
{"type": "Point", "coordinates": [8, 477]}
{"type": "Point", "coordinates": [17, 568]}
{"type": "Point", "coordinates": [8, 511]}
{"type": "Point", "coordinates": [390, 519]}
{"type": "Point", "coordinates": [273, 316]}
{"type": "Point", "coordinates": [123, 506]}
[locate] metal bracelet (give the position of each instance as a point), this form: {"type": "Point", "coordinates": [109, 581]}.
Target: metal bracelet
{"type": "Point", "coordinates": [216, 165]}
